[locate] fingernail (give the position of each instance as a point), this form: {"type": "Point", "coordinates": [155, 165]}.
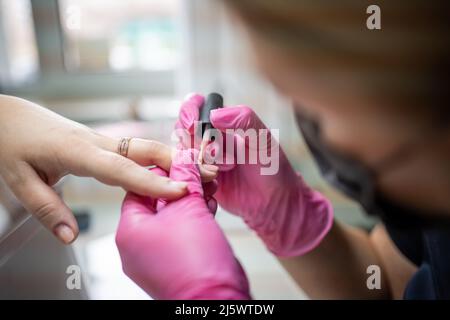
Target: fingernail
{"type": "Point", "coordinates": [64, 233]}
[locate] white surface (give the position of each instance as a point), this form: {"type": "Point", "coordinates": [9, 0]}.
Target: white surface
{"type": "Point", "coordinates": [106, 279]}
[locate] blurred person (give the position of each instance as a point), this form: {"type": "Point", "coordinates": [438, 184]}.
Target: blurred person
{"type": "Point", "coordinates": [373, 107]}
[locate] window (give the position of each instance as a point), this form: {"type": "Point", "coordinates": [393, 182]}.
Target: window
{"type": "Point", "coordinates": [91, 49]}
{"type": "Point", "coordinates": [19, 52]}
{"type": "Point", "coordinates": [103, 35]}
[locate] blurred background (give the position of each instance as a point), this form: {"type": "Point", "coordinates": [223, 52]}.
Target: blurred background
{"type": "Point", "coordinates": [122, 67]}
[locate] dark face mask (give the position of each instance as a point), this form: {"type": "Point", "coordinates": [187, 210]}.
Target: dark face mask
{"type": "Point", "coordinates": [358, 182]}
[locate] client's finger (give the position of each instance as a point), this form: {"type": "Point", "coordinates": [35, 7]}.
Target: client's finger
{"type": "Point", "coordinates": [151, 152]}
{"type": "Point", "coordinates": [44, 203]}
{"type": "Point", "coordinates": [142, 151]}
{"type": "Point", "coordinates": [113, 169]}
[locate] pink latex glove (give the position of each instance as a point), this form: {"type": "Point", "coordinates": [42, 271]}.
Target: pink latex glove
{"type": "Point", "coordinates": [288, 216]}
{"type": "Point", "coordinates": [176, 250]}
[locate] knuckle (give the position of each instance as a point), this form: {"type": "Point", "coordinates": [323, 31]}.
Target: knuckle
{"type": "Point", "coordinates": [152, 189]}
{"type": "Point", "coordinates": [122, 164]}
{"type": "Point", "coordinates": [247, 112]}
{"type": "Point", "coordinates": [45, 212]}
{"type": "Point", "coordinates": [72, 138]}
{"type": "Point", "coordinates": [74, 157]}
{"type": "Point", "coordinates": [154, 148]}
{"type": "Point", "coordinates": [117, 162]}
{"type": "Point", "coordinates": [14, 179]}
{"type": "Point", "coordinates": [160, 153]}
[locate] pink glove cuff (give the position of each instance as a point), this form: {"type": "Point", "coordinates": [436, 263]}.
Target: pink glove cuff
{"type": "Point", "coordinates": [299, 225]}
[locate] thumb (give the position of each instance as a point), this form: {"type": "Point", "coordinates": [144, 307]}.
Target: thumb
{"type": "Point", "coordinates": [43, 202]}
{"type": "Point", "coordinates": [240, 117]}
{"type": "Point", "coordinates": [189, 112]}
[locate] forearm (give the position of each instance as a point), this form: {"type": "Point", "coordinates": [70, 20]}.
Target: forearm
{"type": "Point", "coordinates": [336, 269]}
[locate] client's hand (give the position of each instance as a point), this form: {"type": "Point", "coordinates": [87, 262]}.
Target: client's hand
{"type": "Point", "coordinates": [176, 250]}
{"type": "Point", "coordinates": [39, 147]}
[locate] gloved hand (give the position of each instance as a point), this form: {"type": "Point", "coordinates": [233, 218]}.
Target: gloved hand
{"type": "Point", "coordinates": [176, 250]}
{"type": "Point", "coordinates": [288, 216]}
